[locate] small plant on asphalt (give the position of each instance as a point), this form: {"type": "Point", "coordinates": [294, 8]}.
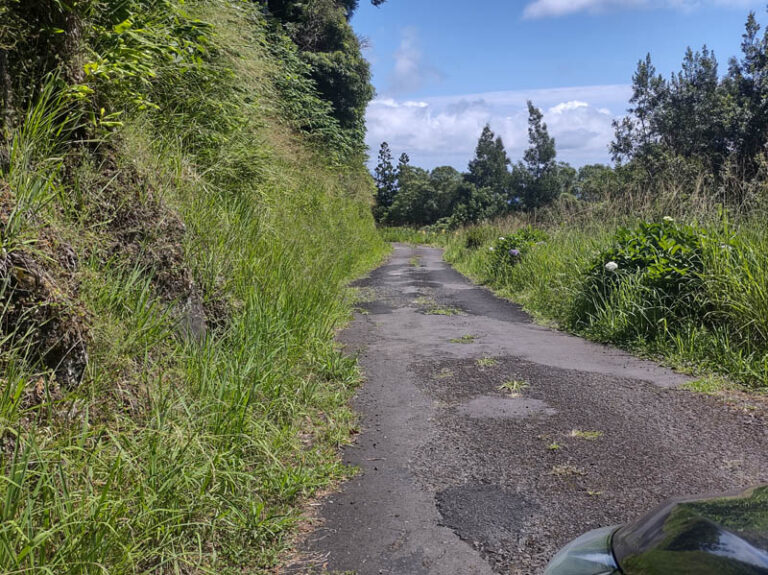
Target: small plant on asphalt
{"type": "Point", "coordinates": [443, 311]}
{"type": "Point", "coordinates": [514, 386]}
{"type": "Point", "coordinates": [566, 471]}
{"type": "Point", "coordinates": [486, 362]}
{"type": "Point", "coordinates": [467, 338]}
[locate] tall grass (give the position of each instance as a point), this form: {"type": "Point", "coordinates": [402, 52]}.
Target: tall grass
{"type": "Point", "coordinates": [180, 454]}
{"type": "Point", "coordinates": [723, 329]}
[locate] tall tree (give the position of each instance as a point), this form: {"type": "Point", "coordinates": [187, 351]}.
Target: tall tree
{"type": "Point", "coordinates": [638, 133]}
{"type": "Point", "coordinates": [747, 86]}
{"type": "Point", "coordinates": [386, 178]}
{"type": "Point", "coordinates": [541, 185]}
{"type": "Point", "coordinates": [488, 169]}
{"type": "Point", "coordinates": [403, 170]}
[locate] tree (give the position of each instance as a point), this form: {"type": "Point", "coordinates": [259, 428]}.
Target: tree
{"type": "Point", "coordinates": [539, 183]}
{"type": "Point", "coordinates": [637, 134]}
{"type": "Point", "coordinates": [403, 170]}
{"type": "Point", "coordinates": [746, 85]}
{"type": "Point", "coordinates": [488, 169]}
{"type": "Point", "coordinates": [693, 117]}
{"type": "Point", "coordinates": [386, 179]}
{"type": "Point", "coordinates": [415, 202]}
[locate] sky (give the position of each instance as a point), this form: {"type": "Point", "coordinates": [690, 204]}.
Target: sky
{"type": "Point", "coordinates": [443, 69]}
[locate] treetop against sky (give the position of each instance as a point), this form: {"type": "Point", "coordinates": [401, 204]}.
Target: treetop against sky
{"type": "Point", "coordinates": [444, 70]}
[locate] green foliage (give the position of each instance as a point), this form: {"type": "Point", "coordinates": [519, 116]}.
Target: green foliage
{"type": "Point", "coordinates": [508, 250]}
{"type": "Point", "coordinates": [179, 452]}
{"type": "Point", "coordinates": [488, 169]}
{"type": "Point", "coordinates": [694, 294]}
{"type": "Point", "coordinates": [661, 260]}
{"type": "Point", "coordinates": [386, 181]}
{"type": "Point", "coordinates": [333, 62]}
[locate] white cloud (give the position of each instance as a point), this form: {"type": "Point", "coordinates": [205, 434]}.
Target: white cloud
{"type": "Point", "coordinates": [567, 106]}
{"type": "Point", "coordinates": [411, 72]}
{"type": "Point", "coordinates": [555, 8]}
{"type": "Point", "coordinates": [444, 130]}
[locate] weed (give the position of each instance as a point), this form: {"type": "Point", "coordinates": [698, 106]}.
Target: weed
{"type": "Point", "coordinates": [514, 386]}
{"type": "Point", "coordinates": [439, 310]}
{"type": "Point", "coordinates": [708, 385]}
{"type": "Point", "coordinates": [566, 471]}
{"type": "Point", "coordinates": [587, 435]}
{"type": "Point", "coordinates": [414, 262]}
{"type": "Point", "coordinates": [554, 446]}
{"type": "Point", "coordinates": [466, 338]}
{"type": "Point", "coordinates": [444, 373]}
{"type": "Point", "coordinates": [484, 362]}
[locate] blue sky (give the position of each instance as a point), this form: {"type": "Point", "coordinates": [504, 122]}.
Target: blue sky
{"type": "Point", "coordinates": [443, 69]}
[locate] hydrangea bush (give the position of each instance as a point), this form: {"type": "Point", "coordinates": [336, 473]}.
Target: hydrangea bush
{"type": "Point", "coordinates": [508, 250]}
{"type": "Point", "coordinates": [657, 265]}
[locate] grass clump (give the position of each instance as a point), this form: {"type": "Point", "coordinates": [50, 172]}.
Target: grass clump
{"type": "Point", "coordinates": [464, 339]}
{"type": "Point", "coordinates": [514, 386]}
{"type": "Point", "coordinates": [484, 362]}
{"type": "Point", "coordinates": [443, 310]}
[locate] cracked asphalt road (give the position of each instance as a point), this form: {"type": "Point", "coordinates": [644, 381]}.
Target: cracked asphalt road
{"type": "Point", "coordinates": [488, 442]}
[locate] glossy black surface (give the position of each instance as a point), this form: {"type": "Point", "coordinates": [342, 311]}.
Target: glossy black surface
{"type": "Point", "coordinates": [725, 535]}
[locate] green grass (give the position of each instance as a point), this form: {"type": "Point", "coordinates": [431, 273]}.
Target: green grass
{"type": "Point", "coordinates": [587, 435]}
{"type": "Point", "coordinates": [179, 454]}
{"type": "Point", "coordinates": [443, 310]}
{"type": "Point", "coordinates": [727, 335]}
{"type": "Point", "coordinates": [514, 386]}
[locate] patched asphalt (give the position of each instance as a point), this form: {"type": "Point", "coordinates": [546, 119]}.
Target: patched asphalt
{"type": "Point", "coordinates": [487, 453]}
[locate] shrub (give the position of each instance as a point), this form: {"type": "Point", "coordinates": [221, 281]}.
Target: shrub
{"type": "Point", "coordinates": [508, 250]}
{"type": "Point", "coordinates": [655, 269]}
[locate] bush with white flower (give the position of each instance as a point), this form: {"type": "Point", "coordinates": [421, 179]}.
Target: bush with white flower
{"type": "Point", "coordinates": [661, 263]}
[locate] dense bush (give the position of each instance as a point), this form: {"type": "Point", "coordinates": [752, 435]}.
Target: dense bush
{"type": "Point", "coordinates": [663, 261]}
{"type": "Point", "coordinates": [508, 250]}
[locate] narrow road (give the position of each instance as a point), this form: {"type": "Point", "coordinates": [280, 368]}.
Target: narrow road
{"type": "Point", "coordinates": [488, 442]}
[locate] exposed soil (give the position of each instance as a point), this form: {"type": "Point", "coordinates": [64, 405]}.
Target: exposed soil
{"type": "Point", "coordinates": [486, 454]}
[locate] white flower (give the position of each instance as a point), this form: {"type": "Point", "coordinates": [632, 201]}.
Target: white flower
{"type": "Point", "coordinates": [501, 239]}
{"type": "Point", "coordinates": [668, 219]}
{"type": "Point", "coordinates": [611, 266]}
{"type": "Point", "coordinates": [490, 249]}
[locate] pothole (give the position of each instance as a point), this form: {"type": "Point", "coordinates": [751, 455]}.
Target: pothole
{"type": "Point", "coordinates": [495, 407]}
{"type": "Point", "coordinates": [488, 517]}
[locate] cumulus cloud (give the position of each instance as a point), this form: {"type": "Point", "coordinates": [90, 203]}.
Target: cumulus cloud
{"type": "Point", "coordinates": [444, 130]}
{"type": "Point", "coordinates": [555, 8]}
{"type": "Point", "coordinates": [411, 71]}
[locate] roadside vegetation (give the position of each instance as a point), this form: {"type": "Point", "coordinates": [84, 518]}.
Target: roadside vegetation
{"type": "Point", "coordinates": [664, 253]}
{"type": "Point", "coordinates": [181, 203]}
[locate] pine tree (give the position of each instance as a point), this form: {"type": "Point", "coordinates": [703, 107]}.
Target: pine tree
{"type": "Point", "coordinates": [541, 184]}
{"type": "Point", "coordinates": [386, 179]}
{"type": "Point", "coordinates": [403, 168]}
{"type": "Point", "coordinates": [489, 167]}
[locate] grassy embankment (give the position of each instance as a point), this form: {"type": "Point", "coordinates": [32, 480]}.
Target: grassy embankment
{"type": "Point", "coordinates": [197, 252]}
{"type": "Point", "coordinates": [689, 289]}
